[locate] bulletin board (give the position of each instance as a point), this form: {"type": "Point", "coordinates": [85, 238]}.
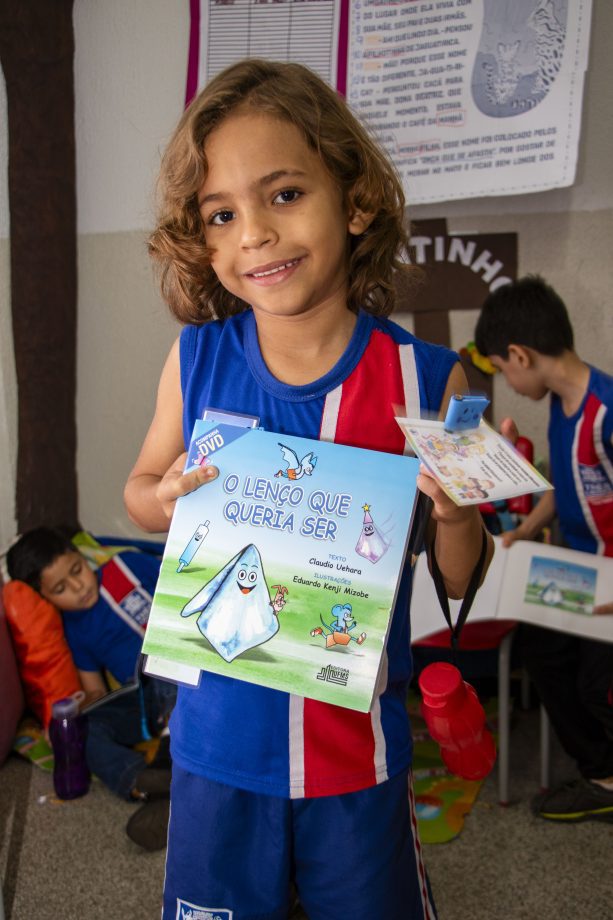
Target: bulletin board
{"type": "Point", "coordinates": [471, 98]}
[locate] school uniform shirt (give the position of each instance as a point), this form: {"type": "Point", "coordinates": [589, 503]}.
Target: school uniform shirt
{"type": "Point", "coordinates": [581, 459]}
{"type": "Point", "coordinates": [253, 737]}
{"type": "Point", "coordinates": [109, 636]}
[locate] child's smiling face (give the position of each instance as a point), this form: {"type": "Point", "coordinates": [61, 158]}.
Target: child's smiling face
{"type": "Point", "coordinates": [275, 218]}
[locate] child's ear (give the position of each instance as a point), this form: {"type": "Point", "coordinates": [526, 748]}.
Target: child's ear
{"type": "Point", "coordinates": [357, 220]}
{"type": "Point", "coordinates": [521, 355]}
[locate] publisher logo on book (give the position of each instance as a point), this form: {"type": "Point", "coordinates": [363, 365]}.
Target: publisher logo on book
{"type": "Point", "coordinates": [334, 675]}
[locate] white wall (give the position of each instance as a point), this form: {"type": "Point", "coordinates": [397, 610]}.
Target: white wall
{"type": "Point", "coordinates": [130, 69]}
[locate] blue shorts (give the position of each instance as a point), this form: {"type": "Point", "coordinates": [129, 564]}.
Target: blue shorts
{"type": "Point", "coordinates": [232, 854]}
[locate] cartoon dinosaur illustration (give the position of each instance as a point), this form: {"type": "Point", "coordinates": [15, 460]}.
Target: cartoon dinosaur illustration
{"type": "Point", "coordinates": [337, 632]}
{"type": "Point", "coordinates": [296, 468]}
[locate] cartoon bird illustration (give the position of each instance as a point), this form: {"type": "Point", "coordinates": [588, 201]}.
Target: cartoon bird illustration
{"type": "Point", "coordinates": [296, 468]}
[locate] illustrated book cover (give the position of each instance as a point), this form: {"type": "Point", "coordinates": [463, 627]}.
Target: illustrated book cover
{"type": "Point", "coordinates": [284, 570]}
{"type": "Point", "coordinates": [473, 466]}
{"type": "Point", "coordinates": [537, 583]}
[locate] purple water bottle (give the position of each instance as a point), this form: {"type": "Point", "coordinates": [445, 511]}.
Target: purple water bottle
{"type": "Point", "coordinates": [68, 732]}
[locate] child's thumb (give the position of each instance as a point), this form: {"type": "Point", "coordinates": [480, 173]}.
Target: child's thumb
{"type": "Point", "coordinates": [206, 474]}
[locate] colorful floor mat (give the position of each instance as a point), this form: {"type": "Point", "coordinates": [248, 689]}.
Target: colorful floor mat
{"type": "Point", "coordinates": [31, 743]}
{"type": "Point", "coordinates": [442, 800]}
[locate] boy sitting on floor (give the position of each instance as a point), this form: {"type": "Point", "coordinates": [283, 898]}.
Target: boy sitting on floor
{"type": "Point", "coordinates": [104, 614]}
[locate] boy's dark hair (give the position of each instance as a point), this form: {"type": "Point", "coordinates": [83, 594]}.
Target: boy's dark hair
{"type": "Point", "coordinates": [525, 312]}
{"type": "Point", "coordinates": [34, 551]}
{"type": "Point", "coordinates": [292, 93]}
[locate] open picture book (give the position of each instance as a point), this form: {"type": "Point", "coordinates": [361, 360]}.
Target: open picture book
{"type": "Point", "coordinates": [284, 570]}
{"type": "Point", "coordinates": [473, 466]}
{"type": "Point", "coordinates": [532, 582]}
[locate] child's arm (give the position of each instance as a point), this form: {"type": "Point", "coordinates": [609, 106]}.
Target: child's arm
{"type": "Point", "coordinates": [541, 515]}
{"type": "Point", "coordinates": [543, 512]}
{"type": "Point", "coordinates": [157, 479]}
{"type": "Point", "coordinates": [456, 532]}
{"type": "Point", "coordinates": [93, 685]}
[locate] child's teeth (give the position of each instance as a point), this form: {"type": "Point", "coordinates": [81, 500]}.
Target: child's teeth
{"type": "Point", "coordinates": [272, 270]}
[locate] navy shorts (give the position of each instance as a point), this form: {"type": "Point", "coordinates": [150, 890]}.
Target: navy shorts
{"type": "Point", "coordinates": [232, 854]}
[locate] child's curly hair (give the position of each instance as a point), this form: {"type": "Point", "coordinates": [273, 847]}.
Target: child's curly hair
{"type": "Point", "coordinates": [362, 171]}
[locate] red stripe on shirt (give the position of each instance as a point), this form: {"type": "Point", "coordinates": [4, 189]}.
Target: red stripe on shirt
{"type": "Point", "coordinates": [116, 581]}
{"type": "Point", "coordinates": [340, 742]}
{"type": "Point", "coordinates": [366, 414]}
{"type": "Point", "coordinates": [337, 743]}
{"type": "Point", "coordinates": [586, 453]}
{"type": "Point", "coordinates": [587, 456]}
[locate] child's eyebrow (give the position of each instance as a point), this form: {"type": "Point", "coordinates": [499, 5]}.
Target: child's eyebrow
{"type": "Point", "coordinates": [259, 183]}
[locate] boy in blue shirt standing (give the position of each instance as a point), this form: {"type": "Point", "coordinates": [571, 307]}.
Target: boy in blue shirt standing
{"type": "Point", "coordinates": [525, 331]}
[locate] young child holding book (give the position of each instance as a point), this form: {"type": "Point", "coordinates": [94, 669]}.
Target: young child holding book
{"type": "Point", "coordinates": [525, 331]}
{"type": "Point", "coordinates": [281, 224]}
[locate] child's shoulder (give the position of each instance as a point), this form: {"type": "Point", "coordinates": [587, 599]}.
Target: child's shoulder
{"type": "Point", "coordinates": [135, 563]}
{"type": "Point", "coordinates": [205, 339]}
{"type": "Point", "coordinates": [214, 327]}
{"type": "Point", "coordinates": [427, 350]}
{"type": "Point", "coordinates": [601, 385]}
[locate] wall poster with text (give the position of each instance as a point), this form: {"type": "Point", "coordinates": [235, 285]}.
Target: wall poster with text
{"type": "Point", "coordinates": [471, 98]}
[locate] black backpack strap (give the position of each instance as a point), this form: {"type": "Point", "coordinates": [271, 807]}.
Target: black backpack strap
{"type": "Point", "coordinates": [469, 596]}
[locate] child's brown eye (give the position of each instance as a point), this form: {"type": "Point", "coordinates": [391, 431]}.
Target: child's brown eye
{"type": "Point", "coordinates": [221, 217]}
{"type": "Point", "coordinates": [288, 195]}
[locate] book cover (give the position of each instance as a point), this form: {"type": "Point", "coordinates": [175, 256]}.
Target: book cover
{"type": "Point", "coordinates": [473, 466]}
{"type": "Point", "coordinates": [537, 583]}
{"type": "Point", "coordinates": [284, 570]}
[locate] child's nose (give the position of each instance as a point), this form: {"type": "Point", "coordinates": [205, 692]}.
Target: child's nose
{"type": "Point", "coordinates": [75, 582]}
{"type": "Point", "coordinates": [257, 229]}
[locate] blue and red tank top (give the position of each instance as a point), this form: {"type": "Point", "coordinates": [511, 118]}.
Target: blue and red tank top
{"type": "Point", "coordinates": [581, 459]}
{"type": "Point", "coordinates": [254, 737]}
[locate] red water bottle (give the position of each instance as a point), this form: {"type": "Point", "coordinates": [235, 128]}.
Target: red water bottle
{"type": "Point", "coordinates": [456, 721]}
{"type": "Point", "coordinates": [522, 504]}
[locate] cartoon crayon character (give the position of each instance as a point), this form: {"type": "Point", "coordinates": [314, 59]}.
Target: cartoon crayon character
{"type": "Point", "coordinates": [193, 546]}
{"type": "Point", "coordinates": [337, 632]}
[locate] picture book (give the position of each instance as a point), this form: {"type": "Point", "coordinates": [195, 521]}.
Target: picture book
{"type": "Point", "coordinates": [473, 466]}
{"type": "Point", "coordinates": [283, 571]}
{"type": "Point", "coordinates": [536, 583]}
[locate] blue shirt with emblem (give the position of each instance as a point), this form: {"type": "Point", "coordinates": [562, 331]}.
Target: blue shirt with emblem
{"type": "Point", "coordinates": [99, 638]}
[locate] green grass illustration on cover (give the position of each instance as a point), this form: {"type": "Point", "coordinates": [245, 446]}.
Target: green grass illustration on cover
{"type": "Point", "coordinates": [283, 571]}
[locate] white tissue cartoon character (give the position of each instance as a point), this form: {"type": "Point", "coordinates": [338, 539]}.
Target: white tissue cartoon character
{"type": "Point", "coordinates": [235, 609]}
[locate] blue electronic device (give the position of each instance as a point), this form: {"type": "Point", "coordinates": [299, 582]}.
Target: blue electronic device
{"type": "Point", "coordinates": [465, 411]}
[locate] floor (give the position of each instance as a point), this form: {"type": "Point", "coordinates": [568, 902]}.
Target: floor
{"type": "Point", "coordinates": [73, 861]}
